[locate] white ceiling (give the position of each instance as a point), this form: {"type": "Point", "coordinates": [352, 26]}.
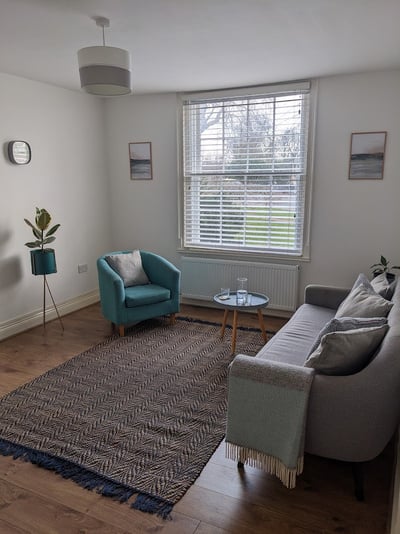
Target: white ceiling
{"type": "Point", "coordinates": [202, 44]}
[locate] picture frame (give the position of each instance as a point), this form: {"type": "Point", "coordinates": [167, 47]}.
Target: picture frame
{"type": "Point", "coordinates": [367, 155]}
{"type": "Point", "coordinates": [140, 161]}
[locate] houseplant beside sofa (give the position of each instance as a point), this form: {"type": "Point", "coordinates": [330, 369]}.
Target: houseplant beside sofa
{"type": "Point", "coordinates": [348, 416]}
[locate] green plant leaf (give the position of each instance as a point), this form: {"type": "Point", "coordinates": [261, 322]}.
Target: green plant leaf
{"type": "Point", "coordinates": [37, 233]}
{"type": "Point", "coordinates": [53, 230]}
{"type": "Point", "coordinates": [29, 223]}
{"type": "Point", "coordinates": [42, 219]}
{"type": "Point", "coordinates": [384, 261]}
{"type": "Point", "coordinates": [33, 244]}
{"type": "Point", "coordinates": [48, 240]}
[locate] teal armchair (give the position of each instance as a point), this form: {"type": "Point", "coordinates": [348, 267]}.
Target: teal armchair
{"type": "Point", "coordinates": [124, 306]}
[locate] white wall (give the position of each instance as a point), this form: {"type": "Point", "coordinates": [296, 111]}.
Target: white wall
{"type": "Point", "coordinates": [353, 222]}
{"type": "Point", "coordinates": [144, 212]}
{"type": "Point", "coordinates": [67, 176]}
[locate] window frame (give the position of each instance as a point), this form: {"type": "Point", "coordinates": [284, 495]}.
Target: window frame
{"type": "Point", "coordinates": [243, 253]}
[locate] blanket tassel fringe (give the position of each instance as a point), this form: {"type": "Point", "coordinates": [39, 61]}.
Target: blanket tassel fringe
{"type": "Point", "coordinates": [266, 462]}
{"type": "Point", "coordinates": [88, 479]}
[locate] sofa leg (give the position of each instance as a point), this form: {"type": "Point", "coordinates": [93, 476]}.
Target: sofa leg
{"type": "Point", "coordinates": [172, 319]}
{"type": "Point", "coordinates": [358, 476]}
{"type": "Point", "coordinates": [121, 330]}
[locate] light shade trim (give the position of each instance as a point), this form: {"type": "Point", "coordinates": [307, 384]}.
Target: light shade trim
{"type": "Point", "coordinates": [105, 80]}
{"type": "Point", "coordinates": [105, 70]}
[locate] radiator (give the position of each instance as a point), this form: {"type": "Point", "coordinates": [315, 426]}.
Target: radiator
{"type": "Point", "coordinates": [202, 278]}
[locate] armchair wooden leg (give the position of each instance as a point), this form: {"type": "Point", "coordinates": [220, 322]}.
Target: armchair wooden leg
{"type": "Point", "coordinates": [172, 319]}
{"type": "Point", "coordinates": [121, 330]}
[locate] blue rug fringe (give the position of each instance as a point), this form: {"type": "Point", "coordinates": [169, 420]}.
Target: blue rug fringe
{"type": "Point", "coordinates": [87, 479]}
{"type": "Point", "coordinates": [152, 505]}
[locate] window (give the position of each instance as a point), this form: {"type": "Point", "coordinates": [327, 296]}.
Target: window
{"type": "Point", "coordinates": [245, 170]}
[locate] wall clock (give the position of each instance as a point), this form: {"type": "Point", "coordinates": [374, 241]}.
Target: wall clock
{"type": "Point", "coordinates": [19, 152]}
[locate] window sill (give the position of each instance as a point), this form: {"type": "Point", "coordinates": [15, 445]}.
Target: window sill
{"type": "Point", "coordinates": [242, 256]}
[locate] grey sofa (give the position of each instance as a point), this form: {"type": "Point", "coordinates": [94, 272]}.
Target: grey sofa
{"type": "Point", "coordinates": [350, 418]}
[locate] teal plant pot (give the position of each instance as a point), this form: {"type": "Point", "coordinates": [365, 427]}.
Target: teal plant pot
{"type": "Point", "coordinates": [43, 261]}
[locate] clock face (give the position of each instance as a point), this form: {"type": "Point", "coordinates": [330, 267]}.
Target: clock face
{"type": "Point", "coordinates": [19, 152]}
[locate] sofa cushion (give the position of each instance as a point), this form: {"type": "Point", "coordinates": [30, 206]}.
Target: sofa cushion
{"type": "Point", "coordinates": [293, 341]}
{"type": "Point", "coordinates": [347, 323]}
{"type": "Point", "coordinates": [345, 353]}
{"type": "Point", "coordinates": [146, 294]}
{"type": "Point", "coordinates": [380, 284]}
{"type": "Point", "coordinates": [129, 267]}
{"type": "Point", "coordinates": [362, 302]}
{"type": "Point", "coordinates": [383, 287]}
{"type": "Point", "coordinates": [362, 280]}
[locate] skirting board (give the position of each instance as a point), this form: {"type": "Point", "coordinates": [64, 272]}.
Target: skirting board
{"type": "Point", "coordinates": [35, 318]}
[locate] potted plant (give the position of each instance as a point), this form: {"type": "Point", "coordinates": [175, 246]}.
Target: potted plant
{"type": "Point", "coordinates": [43, 260]}
{"type": "Point", "coordinates": [384, 267]}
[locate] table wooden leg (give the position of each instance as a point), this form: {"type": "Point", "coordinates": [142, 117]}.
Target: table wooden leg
{"type": "Point", "coordinates": [224, 323]}
{"type": "Point", "coordinates": [234, 329]}
{"type": "Point", "coordinates": [262, 326]}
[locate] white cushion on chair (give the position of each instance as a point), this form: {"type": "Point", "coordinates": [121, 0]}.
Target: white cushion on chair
{"type": "Point", "coordinates": [129, 267]}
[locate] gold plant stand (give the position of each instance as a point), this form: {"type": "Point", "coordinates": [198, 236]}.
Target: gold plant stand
{"type": "Point", "coordinates": [46, 285]}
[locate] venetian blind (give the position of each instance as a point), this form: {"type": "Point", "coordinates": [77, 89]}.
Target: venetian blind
{"type": "Point", "coordinates": [245, 170]}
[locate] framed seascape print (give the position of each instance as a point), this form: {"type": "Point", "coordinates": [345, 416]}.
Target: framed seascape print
{"type": "Point", "coordinates": [140, 161]}
{"type": "Point", "coordinates": [367, 154]}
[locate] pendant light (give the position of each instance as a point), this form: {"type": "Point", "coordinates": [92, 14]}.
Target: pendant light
{"type": "Point", "coordinates": [104, 70]}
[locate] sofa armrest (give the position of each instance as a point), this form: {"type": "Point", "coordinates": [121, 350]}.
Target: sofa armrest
{"type": "Point", "coordinates": [325, 296]}
{"type": "Point", "coordinates": [261, 394]}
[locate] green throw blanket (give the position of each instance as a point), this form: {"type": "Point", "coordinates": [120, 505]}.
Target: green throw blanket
{"type": "Point", "coordinates": [267, 408]}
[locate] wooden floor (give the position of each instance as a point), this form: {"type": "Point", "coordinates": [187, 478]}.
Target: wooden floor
{"type": "Point", "coordinates": [223, 499]}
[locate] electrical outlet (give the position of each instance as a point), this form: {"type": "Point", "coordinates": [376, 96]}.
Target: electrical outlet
{"type": "Point", "coordinates": [82, 268]}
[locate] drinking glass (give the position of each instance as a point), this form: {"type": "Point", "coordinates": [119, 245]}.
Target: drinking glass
{"type": "Point", "coordinates": [225, 292]}
{"type": "Point", "coordinates": [241, 292]}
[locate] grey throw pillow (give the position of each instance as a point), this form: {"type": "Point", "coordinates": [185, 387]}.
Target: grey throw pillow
{"type": "Point", "coordinates": [361, 302]}
{"type": "Point", "coordinates": [362, 280]}
{"type": "Point", "coordinates": [346, 353]}
{"type": "Point", "coordinates": [129, 267]}
{"type": "Point", "coordinates": [383, 287]}
{"type": "Point", "coordinates": [347, 323]}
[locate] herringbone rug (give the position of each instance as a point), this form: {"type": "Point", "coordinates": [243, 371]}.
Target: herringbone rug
{"type": "Point", "coordinates": [135, 418]}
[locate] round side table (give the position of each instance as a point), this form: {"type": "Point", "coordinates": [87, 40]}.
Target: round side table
{"type": "Point", "coordinates": [255, 301]}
